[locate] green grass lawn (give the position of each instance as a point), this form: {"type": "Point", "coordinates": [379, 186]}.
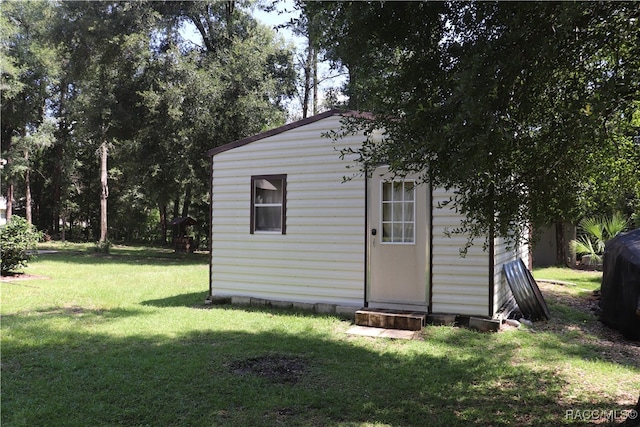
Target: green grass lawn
{"type": "Point", "coordinates": [125, 339]}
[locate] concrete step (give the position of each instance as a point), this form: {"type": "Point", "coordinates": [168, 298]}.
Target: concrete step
{"type": "Point", "coordinates": [391, 319]}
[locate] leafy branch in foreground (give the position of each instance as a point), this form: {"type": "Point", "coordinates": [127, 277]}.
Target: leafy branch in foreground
{"type": "Point", "coordinates": [524, 111]}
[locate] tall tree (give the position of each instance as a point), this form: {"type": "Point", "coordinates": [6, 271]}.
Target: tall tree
{"type": "Point", "coordinates": [231, 85]}
{"type": "Point", "coordinates": [28, 79]}
{"type": "Point", "coordinates": [107, 42]}
{"type": "Point", "coordinates": [307, 60]}
{"type": "Point", "coordinates": [514, 106]}
{"type": "Point", "coordinates": [134, 106]}
{"type": "Point", "coordinates": [315, 67]}
{"type": "Point", "coordinates": [34, 142]}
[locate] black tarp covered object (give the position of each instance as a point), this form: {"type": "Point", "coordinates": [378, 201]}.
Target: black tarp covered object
{"type": "Point", "coordinates": [620, 291]}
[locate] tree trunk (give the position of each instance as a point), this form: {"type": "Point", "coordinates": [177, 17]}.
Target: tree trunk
{"type": "Point", "coordinates": [162, 207]}
{"type": "Point", "coordinates": [176, 207]}
{"type": "Point", "coordinates": [314, 57]}
{"type": "Point", "coordinates": [176, 213]}
{"type": "Point", "coordinates": [307, 83]}
{"type": "Point", "coordinates": [186, 203]}
{"type": "Point", "coordinates": [9, 200]}
{"type": "Point", "coordinates": [58, 154]}
{"type": "Point", "coordinates": [27, 188]}
{"type": "Point", "coordinates": [56, 191]}
{"type": "Point", "coordinates": [104, 193]}
{"type": "Point", "coordinates": [561, 254]}
{"type": "Point", "coordinates": [353, 98]}
{"type": "Point", "coordinates": [53, 219]}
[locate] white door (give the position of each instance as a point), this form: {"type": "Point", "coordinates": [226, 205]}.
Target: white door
{"type": "Point", "coordinates": [398, 242]}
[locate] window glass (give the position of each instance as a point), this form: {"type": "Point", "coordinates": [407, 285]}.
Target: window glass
{"type": "Point", "coordinates": [386, 192]}
{"type": "Point", "coordinates": [398, 212]}
{"type": "Point", "coordinates": [408, 211]}
{"type": "Point", "coordinates": [408, 233]}
{"type": "Point", "coordinates": [268, 203]}
{"type": "Point", "coordinates": [397, 190]}
{"type": "Point", "coordinates": [268, 191]}
{"type": "Point", "coordinates": [408, 190]}
{"type": "Point", "coordinates": [386, 232]}
{"type": "Point", "coordinates": [397, 232]}
{"type": "Point", "coordinates": [386, 211]}
{"type": "Point", "coordinates": [268, 218]}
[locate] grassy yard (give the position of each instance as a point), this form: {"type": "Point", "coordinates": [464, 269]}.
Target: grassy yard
{"type": "Point", "coordinates": [124, 339]}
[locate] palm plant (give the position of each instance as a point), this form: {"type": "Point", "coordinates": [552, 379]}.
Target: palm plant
{"type": "Point", "coordinates": [595, 233]}
{"type": "Point", "coordinates": [615, 225]}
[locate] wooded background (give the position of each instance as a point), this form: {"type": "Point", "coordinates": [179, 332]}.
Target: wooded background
{"type": "Point", "coordinates": [530, 110]}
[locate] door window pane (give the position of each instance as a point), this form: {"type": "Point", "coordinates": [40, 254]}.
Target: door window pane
{"type": "Point", "coordinates": [386, 232]}
{"type": "Point", "coordinates": [386, 192]}
{"type": "Point", "coordinates": [408, 212]}
{"type": "Point", "coordinates": [397, 233]}
{"type": "Point", "coordinates": [386, 211]}
{"type": "Point", "coordinates": [408, 233]}
{"type": "Point", "coordinates": [408, 190]}
{"type": "Point", "coordinates": [397, 191]}
{"type": "Point", "coordinates": [398, 212]}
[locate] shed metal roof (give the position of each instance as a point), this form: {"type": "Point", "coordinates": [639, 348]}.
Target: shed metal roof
{"type": "Point", "coordinates": [287, 127]}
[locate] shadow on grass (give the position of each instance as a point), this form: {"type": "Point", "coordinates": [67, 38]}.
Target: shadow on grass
{"type": "Point", "coordinates": [191, 299]}
{"type": "Point", "coordinates": [78, 378]}
{"type": "Point", "coordinates": [576, 331]}
{"type": "Point", "coordinates": [196, 300]}
{"type": "Point", "coordinates": [156, 257]}
{"type": "Point", "coordinates": [571, 330]}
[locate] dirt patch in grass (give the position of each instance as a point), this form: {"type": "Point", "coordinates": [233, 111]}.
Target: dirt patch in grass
{"type": "Point", "coordinates": [613, 345]}
{"type": "Point", "coordinates": [14, 277]}
{"type": "Point", "coordinates": [277, 368]}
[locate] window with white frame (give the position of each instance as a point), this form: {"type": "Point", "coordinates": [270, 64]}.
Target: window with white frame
{"type": "Point", "coordinates": [398, 212]}
{"type": "Point", "coordinates": [268, 203]}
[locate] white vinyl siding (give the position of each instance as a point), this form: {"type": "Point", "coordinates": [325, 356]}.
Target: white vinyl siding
{"type": "Point", "coordinates": [503, 255]}
{"type": "Point", "coordinates": [459, 285]}
{"type": "Point", "coordinates": [320, 259]}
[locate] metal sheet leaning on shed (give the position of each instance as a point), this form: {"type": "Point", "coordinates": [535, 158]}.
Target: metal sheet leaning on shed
{"type": "Point", "coordinates": [526, 291]}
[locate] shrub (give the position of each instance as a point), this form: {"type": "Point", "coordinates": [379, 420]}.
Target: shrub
{"type": "Point", "coordinates": [103, 247]}
{"type": "Point", "coordinates": [17, 239]}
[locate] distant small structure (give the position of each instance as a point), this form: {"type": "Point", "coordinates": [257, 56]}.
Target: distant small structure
{"type": "Point", "coordinates": [545, 250]}
{"type": "Point", "coordinates": [182, 242]}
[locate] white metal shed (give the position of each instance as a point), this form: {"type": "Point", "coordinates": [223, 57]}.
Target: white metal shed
{"type": "Point", "coordinates": [286, 226]}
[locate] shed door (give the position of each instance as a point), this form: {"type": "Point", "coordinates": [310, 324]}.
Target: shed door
{"type": "Point", "coordinates": [398, 249]}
